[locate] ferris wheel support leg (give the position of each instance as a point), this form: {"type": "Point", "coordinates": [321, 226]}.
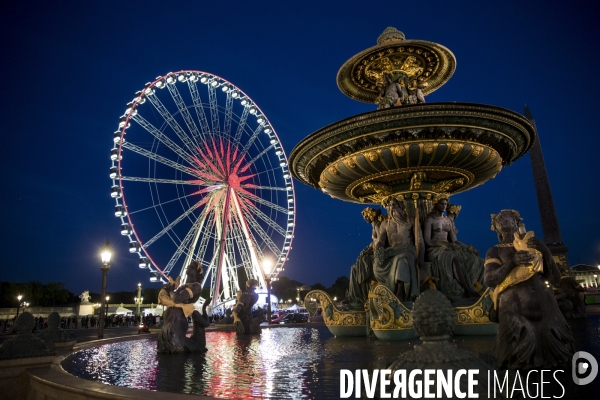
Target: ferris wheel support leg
{"type": "Point", "coordinates": [256, 267]}
{"type": "Point", "coordinates": [221, 260]}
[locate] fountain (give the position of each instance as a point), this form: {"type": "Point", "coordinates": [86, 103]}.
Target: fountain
{"type": "Point", "coordinates": [417, 155]}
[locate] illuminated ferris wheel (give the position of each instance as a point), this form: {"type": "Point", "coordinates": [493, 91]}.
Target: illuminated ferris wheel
{"type": "Point", "coordinates": [199, 174]}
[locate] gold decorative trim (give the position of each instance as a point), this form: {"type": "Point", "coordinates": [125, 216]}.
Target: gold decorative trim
{"type": "Point", "coordinates": [381, 300]}
{"type": "Point", "coordinates": [399, 150]}
{"type": "Point", "coordinates": [354, 138]}
{"type": "Point", "coordinates": [476, 150]}
{"type": "Point", "coordinates": [456, 147]}
{"type": "Point", "coordinates": [350, 162]}
{"type": "Point", "coordinates": [492, 261]}
{"type": "Point", "coordinates": [332, 316]}
{"type": "Point", "coordinates": [428, 148]}
{"type": "Point", "coordinates": [468, 176]}
{"type": "Point", "coordinates": [371, 156]}
{"type": "Point", "coordinates": [476, 313]}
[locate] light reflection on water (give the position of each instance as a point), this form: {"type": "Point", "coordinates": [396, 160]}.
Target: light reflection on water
{"type": "Point", "coordinates": [279, 363]}
{"type": "Point", "coordinates": [299, 362]}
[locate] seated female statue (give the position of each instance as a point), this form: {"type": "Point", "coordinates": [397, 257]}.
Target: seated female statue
{"type": "Point", "coordinates": [456, 267]}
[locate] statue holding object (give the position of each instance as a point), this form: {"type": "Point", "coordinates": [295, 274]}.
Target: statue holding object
{"type": "Point", "coordinates": [532, 331]}
{"type": "Point", "coordinates": [179, 300]}
{"type": "Point", "coordinates": [243, 318]}
{"type": "Point", "coordinates": [395, 253]}
{"type": "Point", "coordinates": [455, 264]}
{"type": "Point", "coordinates": [361, 272]}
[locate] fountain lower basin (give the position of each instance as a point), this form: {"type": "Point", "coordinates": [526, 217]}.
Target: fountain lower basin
{"type": "Point", "coordinates": [288, 362]}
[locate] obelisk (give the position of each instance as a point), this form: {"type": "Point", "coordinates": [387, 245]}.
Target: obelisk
{"type": "Point", "coordinates": [550, 227]}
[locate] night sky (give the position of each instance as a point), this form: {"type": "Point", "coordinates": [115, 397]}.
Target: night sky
{"type": "Point", "coordinates": [69, 68]}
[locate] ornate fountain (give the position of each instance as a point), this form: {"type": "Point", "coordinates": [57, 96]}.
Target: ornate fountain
{"type": "Point", "coordinates": [408, 149]}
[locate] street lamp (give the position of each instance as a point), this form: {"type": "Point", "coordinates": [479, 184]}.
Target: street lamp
{"type": "Point", "coordinates": [105, 255]}
{"type": "Point", "coordinates": [19, 297]}
{"type": "Point", "coordinates": [138, 299]}
{"type": "Point", "coordinates": [267, 265]}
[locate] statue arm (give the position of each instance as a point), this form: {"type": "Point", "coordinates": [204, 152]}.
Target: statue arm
{"type": "Point", "coordinates": [495, 269]}
{"type": "Point", "coordinates": [420, 246]}
{"type": "Point", "coordinates": [381, 236]}
{"type": "Point", "coordinates": [187, 293]}
{"type": "Point", "coordinates": [427, 225]}
{"type": "Point", "coordinates": [551, 271]}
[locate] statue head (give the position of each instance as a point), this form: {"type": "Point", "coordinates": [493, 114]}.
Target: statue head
{"type": "Point", "coordinates": [437, 197]}
{"type": "Point", "coordinates": [440, 201]}
{"type": "Point", "coordinates": [395, 205]}
{"type": "Point", "coordinates": [506, 222]}
{"type": "Point", "coordinates": [251, 284]}
{"type": "Point", "coordinates": [194, 272]}
{"type": "Point", "coordinates": [371, 214]}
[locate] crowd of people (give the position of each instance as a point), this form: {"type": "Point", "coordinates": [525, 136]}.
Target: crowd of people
{"type": "Point", "coordinates": [80, 322]}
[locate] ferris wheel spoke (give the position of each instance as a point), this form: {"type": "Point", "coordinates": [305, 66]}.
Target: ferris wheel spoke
{"type": "Point", "coordinates": [173, 181]}
{"type": "Point", "coordinates": [252, 139]}
{"type": "Point", "coordinates": [181, 248]}
{"type": "Point", "coordinates": [199, 111]}
{"type": "Point", "coordinates": [189, 121]}
{"type": "Point", "coordinates": [251, 186]}
{"type": "Point", "coordinates": [263, 235]}
{"type": "Point", "coordinates": [245, 252]}
{"type": "Point", "coordinates": [155, 206]}
{"type": "Point", "coordinates": [254, 210]}
{"type": "Point", "coordinates": [214, 111]}
{"type": "Point", "coordinates": [176, 221]}
{"type": "Point", "coordinates": [255, 252]}
{"type": "Point", "coordinates": [157, 158]}
{"type": "Point", "coordinates": [260, 200]}
{"type": "Point", "coordinates": [170, 120]}
{"type": "Point", "coordinates": [228, 114]}
{"type": "Point", "coordinates": [162, 138]}
{"type": "Point", "coordinates": [262, 153]}
{"type": "Point", "coordinates": [240, 128]}
{"type": "Point", "coordinates": [207, 229]}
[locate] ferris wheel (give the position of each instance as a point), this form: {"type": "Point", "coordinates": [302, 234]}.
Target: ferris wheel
{"type": "Point", "coordinates": [199, 174]}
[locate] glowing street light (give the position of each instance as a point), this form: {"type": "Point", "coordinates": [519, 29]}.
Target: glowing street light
{"type": "Point", "coordinates": [267, 265]}
{"type": "Point", "coordinates": [105, 257]}
{"type": "Point", "coordinates": [138, 299]}
{"type": "Point", "coordinates": [19, 297]}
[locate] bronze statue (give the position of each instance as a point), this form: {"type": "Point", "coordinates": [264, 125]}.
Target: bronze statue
{"type": "Point", "coordinates": [457, 267]}
{"type": "Point", "coordinates": [392, 93]}
{"type": "Point", "coordinates": [180, 300]}
{"type": "Point", "coordinates": [244, 320]}
{"type": "Point", "coordinates": [415, 92]}
{"type": "Point", "coordinates": [570, 297]}
{"type": "Point", "coordinates": [532, 333]}
{"type": "Point", "coordinates": [361, 272]}
{"type": "Point", "coordinates": [395, 253]}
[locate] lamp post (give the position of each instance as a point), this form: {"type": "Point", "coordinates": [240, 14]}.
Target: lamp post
{"type": "Point", "coordinates": [105, 255]}
{"type": "Point", "coordinates": [19, 297]}
{"type": "Point", "coordinates": [138, 299]}
{"type": "Point", "coordinates": [267, 265]}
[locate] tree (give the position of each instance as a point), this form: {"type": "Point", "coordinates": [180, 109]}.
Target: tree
{"type": "Point", "coordinates": [150, 295]}
{"type": "Point", "coordinates": [285, 288]}
{"type": "Point", "coordinates": [339, 288]}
